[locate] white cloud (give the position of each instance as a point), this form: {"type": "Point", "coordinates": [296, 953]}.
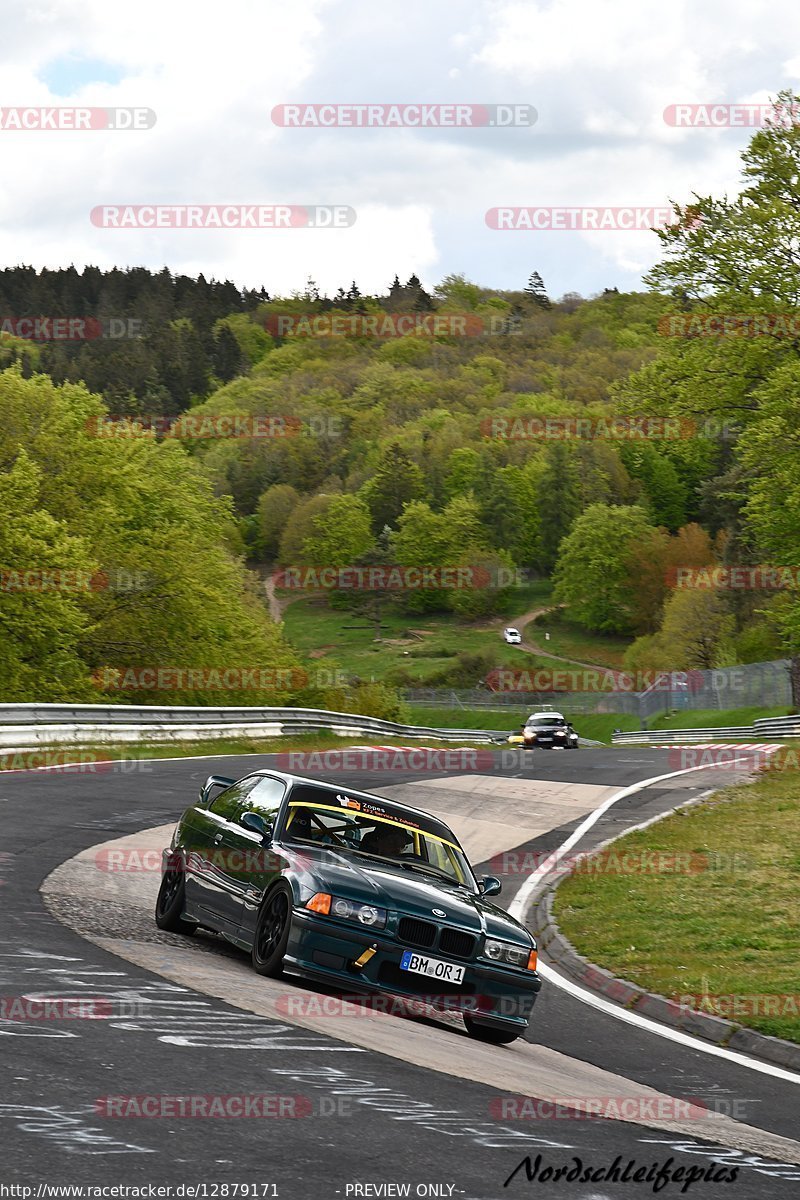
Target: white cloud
{"type": "Point", "coordinates": [600, 73]}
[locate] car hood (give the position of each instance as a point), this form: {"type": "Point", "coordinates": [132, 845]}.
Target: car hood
{"type": "Point", "coordinates": [404, 891]}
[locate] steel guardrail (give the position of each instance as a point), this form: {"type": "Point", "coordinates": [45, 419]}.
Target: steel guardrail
{"type": "Point", "coordinates": [72, 723]}
{"type": "Point", "coordinates": [772, 727]}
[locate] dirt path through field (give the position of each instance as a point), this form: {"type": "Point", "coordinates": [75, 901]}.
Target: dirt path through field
{"type": "Point", "coordinates": [533, 647]}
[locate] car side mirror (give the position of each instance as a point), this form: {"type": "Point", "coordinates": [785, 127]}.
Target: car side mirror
{"type": "Point", "coordinates": [257, 824]}
{"type": "Point", "coordinates": [213, 781]}
{"type": "Point", "coordinates": [489, 885]}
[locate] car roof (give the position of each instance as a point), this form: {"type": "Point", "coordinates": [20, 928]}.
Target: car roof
{"type": "Point", "coordinates": [537, 715]}
{"type": "Point", "coordinates": [434, 823]}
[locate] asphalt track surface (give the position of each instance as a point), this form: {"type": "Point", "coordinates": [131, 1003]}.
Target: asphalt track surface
{"type": "Point", "coordinates": [355, 1126]}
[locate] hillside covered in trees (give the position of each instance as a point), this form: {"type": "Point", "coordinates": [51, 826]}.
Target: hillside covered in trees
{"type": "Point", "coordinates": [610, 443]}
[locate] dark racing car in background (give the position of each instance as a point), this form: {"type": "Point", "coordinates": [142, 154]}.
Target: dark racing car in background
{"type": "Point", "coordinates": [550, 731]}
{"type": "Point", "coordinates": [352, 890]}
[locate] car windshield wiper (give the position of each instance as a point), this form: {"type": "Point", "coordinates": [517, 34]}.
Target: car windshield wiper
{"type": "Point", "coordinates": [426, 870]}
{"type": "Point", "coordinates": [413, 866]}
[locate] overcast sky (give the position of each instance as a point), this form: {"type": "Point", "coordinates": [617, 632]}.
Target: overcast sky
{"type": "Point", "coordinates": [599, 73]}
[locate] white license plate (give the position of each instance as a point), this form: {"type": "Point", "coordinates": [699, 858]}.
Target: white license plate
{"type": "Point", "coordinates": [434, 967]}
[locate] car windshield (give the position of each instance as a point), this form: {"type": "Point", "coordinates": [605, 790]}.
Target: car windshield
{"type": "Point", "coordinates": [354, 825]}
{"type": "Point", "coordinates": [546, 722]}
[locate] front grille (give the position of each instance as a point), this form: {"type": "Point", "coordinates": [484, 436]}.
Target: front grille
{"type": "Point", "coordinates": [417, 933]}
{"type": "Point", "coordinates": [453, 941]}
{"type": "Point", "coordinates": [392, 975]}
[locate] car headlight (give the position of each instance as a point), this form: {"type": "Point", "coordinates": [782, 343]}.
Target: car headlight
{"type": "Point", "coordinates": [348, 910]}
{"type": "Point", "coordinates": [505, 952]}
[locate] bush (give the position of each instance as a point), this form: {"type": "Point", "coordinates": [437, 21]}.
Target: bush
{"type": "Point", "coordinates": [368, 700]}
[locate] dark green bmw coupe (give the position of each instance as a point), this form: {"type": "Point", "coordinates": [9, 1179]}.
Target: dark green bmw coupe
{"type": "Point", "coordinates": [348, 888]}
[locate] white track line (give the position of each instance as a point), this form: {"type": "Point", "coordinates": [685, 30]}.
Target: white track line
{"type": "Point", "coordinates": [520, 903]}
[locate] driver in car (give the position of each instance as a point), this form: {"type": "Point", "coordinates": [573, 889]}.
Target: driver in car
{"type": "Point", "coordinates": [387, 840]}
{"type": "Point", "coordinates": [301, 826]}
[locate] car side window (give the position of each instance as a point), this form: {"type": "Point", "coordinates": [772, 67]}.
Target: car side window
{"type": "Point", "coordinates": [264, 798]}
{"type": "Point", "coordinates": [227, 803]}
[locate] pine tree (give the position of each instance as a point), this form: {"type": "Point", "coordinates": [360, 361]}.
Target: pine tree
{"type": "Point", "coordinates": [536, 290]}
{"type": "Point", "coordinates": [226, 354]}
{"type": "Point", "coordinates": [396, 482]}
{"type": "Point", "coordinates": [420, 300]}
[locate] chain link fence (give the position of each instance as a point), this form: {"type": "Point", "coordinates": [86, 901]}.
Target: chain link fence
{"type": "Point", "coordinates": [752, 685]}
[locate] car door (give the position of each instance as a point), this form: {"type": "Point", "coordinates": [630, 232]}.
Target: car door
{"type": "Point", "coordinates": [206, 886]}
{"type": "Point", "coordinates": [259, 866]}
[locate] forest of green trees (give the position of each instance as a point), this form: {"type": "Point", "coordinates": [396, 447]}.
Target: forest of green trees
{"type": "Point", "coordinates": [422, 449]}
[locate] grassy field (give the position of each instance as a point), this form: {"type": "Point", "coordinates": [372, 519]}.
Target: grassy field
{"type": "Point", "coordinates": [598, 726]}
{"type": "Point", "coordinates": [571, 641]}
{"type": "Point", "coordinates": [708, 718]}
{"type": "Point", "coordinates": [730, 932]}
{"type": "Point", "coordinates": [407, 642]}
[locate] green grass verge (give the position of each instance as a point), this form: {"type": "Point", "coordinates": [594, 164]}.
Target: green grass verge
{"type": "Point", "coordinates": [732, 931]}
{"type": "Point", "coordinates": [467, 718]}
{"type": "Point", "coordinates": [348, 640]}
{"type": "Point", "coordinates": [571, 641]}
{"type": "Point", "coordinates": [598, 726]}
{"type": "Point", "coordinates": [712, 718]}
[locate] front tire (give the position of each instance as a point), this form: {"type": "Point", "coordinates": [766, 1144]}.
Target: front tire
{"type": "Point", "coordinates": [491, 1033]}
{"type": "Point", "coordinates": [170, 901]}
{"type": "Point", "coordinates": [272, 932]}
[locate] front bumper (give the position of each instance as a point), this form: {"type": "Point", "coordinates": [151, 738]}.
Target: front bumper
{"type": "Point", "coordinates": [322, 950]}
{"type": "Point", "coordinates": [550, 743]}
